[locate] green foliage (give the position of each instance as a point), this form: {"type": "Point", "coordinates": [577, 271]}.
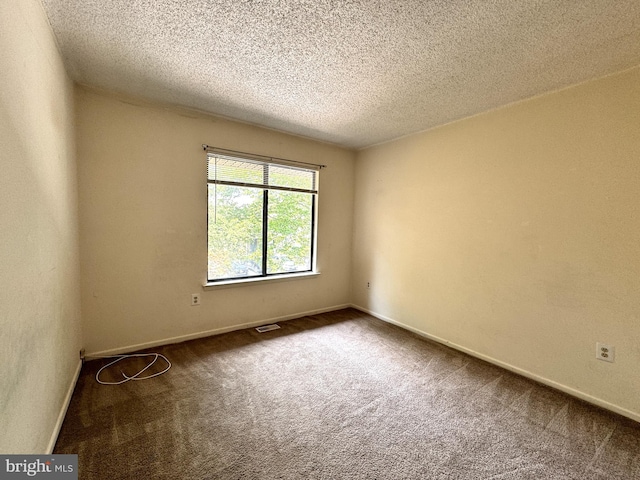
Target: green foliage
{"type": "Point", "coordinates": [235, 231]}
{"type": "Point", "coordinates": [289, 232]}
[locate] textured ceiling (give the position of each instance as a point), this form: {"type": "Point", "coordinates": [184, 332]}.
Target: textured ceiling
{"type": "Point", "coordinates": [354, 73]}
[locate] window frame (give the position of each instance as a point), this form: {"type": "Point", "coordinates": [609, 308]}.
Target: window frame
{"type": "Point", "coordinates": [266, 188]}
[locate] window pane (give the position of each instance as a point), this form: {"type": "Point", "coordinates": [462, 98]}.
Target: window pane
{"type": "Point", "coordinates": [235, 231]}
{"type": "Point", "coordinates": [291, 177]}
{"type": "Point", "coordinates": [289, 232]}
{"type": "Point", "coordinates": [229, 169]}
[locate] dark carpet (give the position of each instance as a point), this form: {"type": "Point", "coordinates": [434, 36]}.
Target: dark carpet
{"type": "Point", "coordinates": [340, 395]}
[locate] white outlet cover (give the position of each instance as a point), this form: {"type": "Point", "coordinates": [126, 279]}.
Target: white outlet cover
{"type": "Point", "coordinates": [606, 353]}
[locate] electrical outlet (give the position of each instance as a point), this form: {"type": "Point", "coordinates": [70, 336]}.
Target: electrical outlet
{"type": "Point", "coordinates": [606, 353]}
{"type": "Point", "coordinates": [195, 299]}
{"type": "Point", "coordinates": [368, 284]}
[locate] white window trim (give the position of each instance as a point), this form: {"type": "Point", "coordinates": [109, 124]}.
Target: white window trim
{"type": "Point", "coordinates": [222, 283]}
{"type": "Point", "coordinates": [284, 277]}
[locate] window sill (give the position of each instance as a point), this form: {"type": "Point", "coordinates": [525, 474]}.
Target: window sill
{"type": "Point", "coordinates": [253, 281]}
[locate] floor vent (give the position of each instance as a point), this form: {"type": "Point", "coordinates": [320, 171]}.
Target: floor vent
{"type": "Point", "coordinates": [267, 328]}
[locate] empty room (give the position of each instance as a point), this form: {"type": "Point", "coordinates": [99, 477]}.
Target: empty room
{"type": "Point", "coordinates": [269, 239]}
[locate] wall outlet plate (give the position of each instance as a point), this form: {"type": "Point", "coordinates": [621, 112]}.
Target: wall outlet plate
{"type": "Point", "coordinates": [606, 353]}
{"type": "Point", "coordinates": [195, 299]}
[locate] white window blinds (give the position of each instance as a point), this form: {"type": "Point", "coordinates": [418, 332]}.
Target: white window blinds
{"type": "Point", "coordinates": [225, 169]}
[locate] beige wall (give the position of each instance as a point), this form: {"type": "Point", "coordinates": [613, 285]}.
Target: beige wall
{"type": "Point", "coordinates": [142, 177]}
{"type": "Point", "coordinates": [515, 235]}
{"type": "Point", "coordinates": [39, 286]}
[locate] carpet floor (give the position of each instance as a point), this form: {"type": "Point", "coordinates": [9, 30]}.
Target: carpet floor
{"type": "Point", "coordinates": [339, 395]}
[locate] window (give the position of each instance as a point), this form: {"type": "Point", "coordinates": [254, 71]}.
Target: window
{"type": "Point", "coordinates": [261, 216]}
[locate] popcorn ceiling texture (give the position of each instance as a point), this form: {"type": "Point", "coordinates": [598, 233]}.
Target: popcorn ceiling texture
{"type": "Point", "coordinates": [354, 73]}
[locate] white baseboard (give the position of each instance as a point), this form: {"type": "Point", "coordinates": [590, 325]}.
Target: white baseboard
{"type": "Point", "coordinates": [525, 373]}
{"type": "Point", "coordinates": [209, 333]}
{"type": "Point", "coordinates": [63, 410]}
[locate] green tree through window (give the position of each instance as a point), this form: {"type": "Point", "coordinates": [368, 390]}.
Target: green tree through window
{"type": "Point", "coordinates": [261, 217]}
